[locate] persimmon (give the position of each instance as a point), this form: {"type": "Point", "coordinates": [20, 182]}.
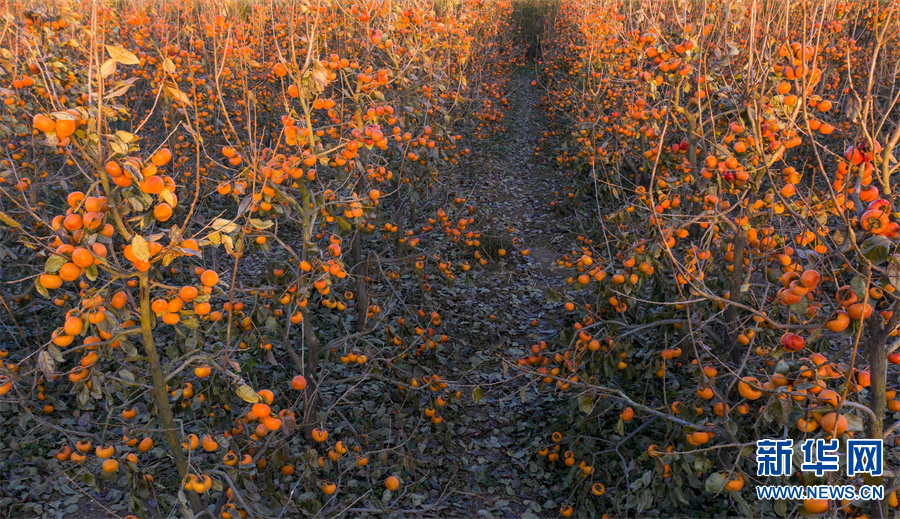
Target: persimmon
{"type": "Point", "coordinates": [162, 212]}
{"type": "Point", "coordinates": [816, 506]}
{"type": "Point", "coordinates": [209, 278]}
{"type": "Point", "coordinates": [392, 483]}
{"type": "Point", "coordinates": [271, 423]}
{"type": "Point", "coordinates": [74, 198]}
{"type": "Point", "coordinates": [73, 222]}
{"type": "Point", "coordinates": [746, 389]}
{"type": "Point", "coordinates": [806, 426]}
{"type": "Point", "coordinates": [65, 128]}
{"type": "Point", "coordinates": [105, 451]}
{"type": "Point", "coordinates": [161, 157]}
{"type": "Point", "coordinates": [261, 410]}
{"type": "Point", "coordinates": [699, 437]}
{"type": "Point", "coordinates": [113, 169]}
{"type": "Point", "coordinates": [859, 311]}
{"type": "Point", "coordinates": [209, 443]}
{"type": "Point", "coordinates": [266, 395]}
{"type": "Point", "coordinates": [834, 424]}
{"type": "Point", "coordinates": [840, 322]}
{"type": "Point", "coordinates": [64, 453]}
{"type": "Point", "coordinates": [829, 397]}
{"type": "Point", "coordinates": [810, 279]}
{"type": "Point", "coordinates": [792, 342]}
{"type": "Point", "coordinates": [230, 459]}
{"type": "Point", "coordinates": [43, 123]}
{"type": "Point", "coordinates": [73, 326]}
{"type": "Point", "coordinates": [50, 281]}
{"type": "Point", "coordinates": [153, 185]}
{"type": "Point", "coordinates": [159, 306]}
{"type": "Point", "coordinates": [298, 382]}
{"type": "Point", "coordinates": [736, 483]}
{"type": "Point", "coordinates": [82, 257]}
{"type": "Point", "coordinates": [191, 442]}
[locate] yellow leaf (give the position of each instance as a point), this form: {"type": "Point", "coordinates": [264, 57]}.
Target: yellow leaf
{"type": "Point", "coordinates": [140, 248]}
{"type": "Point", "coordinates": [126, 137]}
{"type": "Point", "coordinates": [175, 93]}
{"type": "Point", "coordinates": [122, 55]}
{"type": "Point", "coordinates": [108, 68]}
{"type": "Point", "coordinates": [166, 197]}
{"type": "Point", "coordinates": [8, 221]}
{"type": "Point", "coordinates": [247, 394]}
{"type": "Point", "coordinates": [168, 66]}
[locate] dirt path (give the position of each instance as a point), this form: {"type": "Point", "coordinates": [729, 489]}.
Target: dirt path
{"type": "Point", "coordinates": [492, 436]}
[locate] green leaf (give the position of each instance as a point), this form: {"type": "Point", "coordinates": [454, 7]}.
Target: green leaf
{"type": "Point", "coordinates": [191, 323]}
{"type": "Point", "coordinates": [859, 286]}
{"type": "Point", "coordinates": [780, 507]}
{"type": "Point", "coordinates": [715, 482]}
{"type": "Point", "coordinates": [854, 423]}
{"type": "Point", "coordinates": [55, 353]}
{"type": "Point", "coordinates": [876, 248]}
{"type": "Point", "coordinates": [126, 375]}
{"type": "Point", "coordinates": [54, 263]}
{"type": "Point", "coordinates": [476, 394]}
{"type": "Point", "coordinates": [344, 224]}
{"type": "Point", "coordinates": [585, 404]}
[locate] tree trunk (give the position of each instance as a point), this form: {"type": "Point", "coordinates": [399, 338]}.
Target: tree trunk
{"type": "Point", "coordinates": [877, 403]}
{"type": "Point", "coordinates": [360, 271]}
{"type": "Point", "coordinates": [161, 393]}
{"type": "Point", "coordinates": [737, 279]}
{"type": "Point", "coordinates": [312, 357]}
{"type": "Point", "coordinates": [310, 415]}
